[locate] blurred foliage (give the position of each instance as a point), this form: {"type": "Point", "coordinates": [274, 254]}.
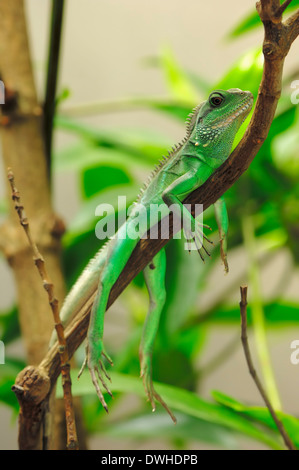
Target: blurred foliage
{"type": "Point", "coordinates": [252, 21]}
{"type": "Point", "coordinates": [109, 164]}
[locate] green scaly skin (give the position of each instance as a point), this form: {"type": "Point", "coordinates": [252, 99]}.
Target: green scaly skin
{"type": "Point", "coordinates": [211, 129]}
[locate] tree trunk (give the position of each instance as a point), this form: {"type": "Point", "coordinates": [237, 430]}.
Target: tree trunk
{"type": "Point", "coordinates": [23, 151]}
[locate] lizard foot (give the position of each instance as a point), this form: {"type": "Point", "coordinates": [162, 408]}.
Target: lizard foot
{"type": "Point", "coordinates": [93, 360]}
{"type": "Point", "coordinates": [152, 395]}
{"type": "Point", "coordinates": [198, 237]}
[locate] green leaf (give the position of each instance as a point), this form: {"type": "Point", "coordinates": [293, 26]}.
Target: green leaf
{"type": "Point", "coordinates": [102, 177]}
{"type": "Point", "coordinates": [9, 325]}
{"type": "Point", "coordinates": [261, 414]}
{"type": "Point", "coordinates": [86, 154]}
{"type": "Point", "coordinates": [278, 312]}
{"type": "Point", "coordinates": [252, 21]}
{"type": "Point", "coordinates": [181, 375]}
{"type": "Point", "coordinates": [79, 248]}
{"type": "Point", "coordinates": [179, 400]}
{"type": "Point", "coordinates": [86, 217]}
{"type": "Point", "coordinates": [183, 276]}
{"type": "Point", "coordinates": [8, 373]}
{"type": "Point", "coordinates": [285, 143]}
{"type": "Point", "coordinates": [245, 73]}
{"type": "Point", "coordinates": [159, 425]}
{"type": "Point", "coordinates": [173, 107]}
{"type": "Point", "coordinates": [177, 80]}
{"type": "Point", "coordinates": [137, 143]}
{"type": "Point", "coordinates": [62, 96]}
{"type": "Point", "coordinates": [283, 121]}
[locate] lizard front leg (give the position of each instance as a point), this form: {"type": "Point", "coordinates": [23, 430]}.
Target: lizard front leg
{"type": "Point", "coordinates": [182, 186]}
{"type": "Point", "coordinates": [119, 251]}
{"type": "Point", "coordinates": [154, 275]}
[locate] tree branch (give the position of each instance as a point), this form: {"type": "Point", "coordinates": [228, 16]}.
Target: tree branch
{"type": "Point", "coordinates": [23, 150]}
{"type": "Point", "coordinates": [252, 371]}
{"type": "Point", "coordinates": [277, 41]}
{"type": "Point", "coordinates": [293, 26]}
{"type": "Point", "coordinates": [72, 441]}
{"type": "Point", "coordinates": [282, 8]}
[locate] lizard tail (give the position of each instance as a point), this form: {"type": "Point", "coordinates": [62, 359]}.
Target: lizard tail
{"type": "Point", "coordinates": [83, 289]}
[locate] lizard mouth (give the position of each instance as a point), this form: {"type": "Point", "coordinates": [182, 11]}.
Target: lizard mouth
{"type": "Point", "coordinates": [242, 110]}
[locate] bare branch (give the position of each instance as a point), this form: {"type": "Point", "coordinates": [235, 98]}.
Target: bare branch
{"type": "Point", "coordinates": [282, 8]}
{"type": "Point", "coordinates": [253, 373]}
{"type": "Point", "coordinates": [292, 25]}
{"type": "Point", "coordinates": [72, 441]}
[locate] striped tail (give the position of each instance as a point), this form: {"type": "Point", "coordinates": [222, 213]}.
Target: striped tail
{"type": "Point", "coordinates": [83, 289]}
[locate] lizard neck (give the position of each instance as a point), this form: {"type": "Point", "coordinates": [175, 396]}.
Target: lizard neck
{"type": "Point", "coordinates": [212, 155]}
{"type": "Point", "coordinates": [211, 145]}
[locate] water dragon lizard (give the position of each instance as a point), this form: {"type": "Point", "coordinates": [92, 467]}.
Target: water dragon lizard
{"type": "Point", "coordinates": [211, 129]}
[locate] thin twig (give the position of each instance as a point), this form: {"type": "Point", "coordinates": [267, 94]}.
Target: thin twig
{"type": "Point", "coordinates": [252, 371]}
{"type": "Point", "coordinates": [282, 8]}
{"type": "Point", "coordinates": [72, 441]}
{"type": "Point", "coordinates": [258, 314]}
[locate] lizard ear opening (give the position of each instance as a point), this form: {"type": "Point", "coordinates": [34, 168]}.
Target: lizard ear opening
{"type": "Point", "coordinates": [192, 119]}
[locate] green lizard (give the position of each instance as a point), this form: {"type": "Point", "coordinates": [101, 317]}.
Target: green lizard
{"type": "Point", "coordinates": [211, 129]}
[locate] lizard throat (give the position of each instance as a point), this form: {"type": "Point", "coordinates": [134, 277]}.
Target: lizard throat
{"type": "Point", "coordinates": [205, 135]}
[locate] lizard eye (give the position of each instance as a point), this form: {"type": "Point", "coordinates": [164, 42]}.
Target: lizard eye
{"type": "Point", "coordinates": [216, 100]}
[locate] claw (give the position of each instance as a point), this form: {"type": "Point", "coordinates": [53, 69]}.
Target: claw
{"type": "Point", "coordinates": [202, 258]}
{"type": "Point", "coordinates": [162, 402]}
{"type": "Point", "coordinates": [105, 372]}
{"type": "Point", "coordinates": [202, 234]}
{"type": "Point", "coordinates": [97, 371]}
{"type": "Point", "coordinates": [82, 367]}
{"type": "Point", "coordinates": [199, 249]}
{"type": "Point", "coordinates": [189, 245]}
{"type": "Point", "coordinates": [106, 356]}
{"type": "Point", "coordinates": [98, 390]}
{"type": "Point", "coordinates": [103, 381]}
{"type": "Point", "coordinates": [151, 393]}
{"type": "Point", "coordinates": [108, 359]}
{"type": "Point", "coordinates": [208, 240]}
{"type": "Point", "coordinates": [204, 248]}
{"type": "Point", "coordinates": [206, 226]}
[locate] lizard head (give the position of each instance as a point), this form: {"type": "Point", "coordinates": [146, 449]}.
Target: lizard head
{"type": "Point", "coordinates": [219, 118]}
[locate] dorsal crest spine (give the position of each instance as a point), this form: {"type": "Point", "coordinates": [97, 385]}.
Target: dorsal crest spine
{"type": "Point", "coordinates": [190, 123]}
{"type": "Point", "coordinates": [191, 120]}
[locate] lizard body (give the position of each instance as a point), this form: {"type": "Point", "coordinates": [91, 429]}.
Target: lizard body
{"type": "Point", "coordinates": [210, 133]}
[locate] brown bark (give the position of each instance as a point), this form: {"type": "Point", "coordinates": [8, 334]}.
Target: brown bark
{"type": "Point", "coordinates": [23, 151]}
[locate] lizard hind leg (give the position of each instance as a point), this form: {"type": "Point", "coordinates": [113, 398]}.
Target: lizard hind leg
{"type": "Point", "coordinates": [154, 275]}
